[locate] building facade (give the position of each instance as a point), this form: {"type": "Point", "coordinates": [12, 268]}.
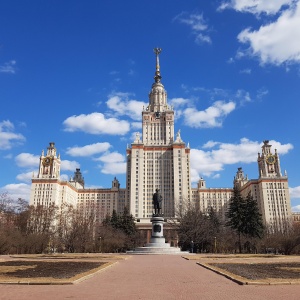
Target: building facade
{"type": "Point", "coordinates": [48, 189]}
{"type": "Point", "coordinates": [161, 160]}
{"type": "Point", "coordinates": [270, 190]}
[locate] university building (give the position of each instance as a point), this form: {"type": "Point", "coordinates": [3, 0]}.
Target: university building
{"type": "Point", "coordinates": [160, 159]}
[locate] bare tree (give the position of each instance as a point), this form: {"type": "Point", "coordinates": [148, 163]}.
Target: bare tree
{"type": "Point", "coordinates": [285, 242]}
{"type": "Point", "coordinates": [197, 229]}
{"type": "Point", "coordinates": [76, 229]}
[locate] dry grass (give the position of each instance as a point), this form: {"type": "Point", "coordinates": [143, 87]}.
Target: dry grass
{"type": "Point", "coordinates": [91, 256]}
{"type": "Point", "coordinates": [53, 269]}
{"type": "Point", "coordinates": [252, 269]}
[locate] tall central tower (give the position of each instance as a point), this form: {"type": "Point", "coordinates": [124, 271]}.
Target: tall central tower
{"type": "Point", "coordinates": [158, 118]}
{"type": "Point", "coordinates": [158, 159]}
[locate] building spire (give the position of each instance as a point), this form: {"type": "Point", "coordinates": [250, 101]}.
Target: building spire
{"type": "Point", "coordinates": [157, 76]}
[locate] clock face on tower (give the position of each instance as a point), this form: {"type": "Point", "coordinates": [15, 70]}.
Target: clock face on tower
{"type": "Point", "coordinates": [270, 159]}
{"type": "Point", "coordinates": [46, 161]}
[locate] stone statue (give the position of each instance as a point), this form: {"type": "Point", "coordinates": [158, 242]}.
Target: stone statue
{"type": "Point", "coordinates": [157, 202]}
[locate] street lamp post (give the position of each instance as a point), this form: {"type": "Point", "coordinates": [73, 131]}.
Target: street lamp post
{"type": "Point", "coordinates": [215, 244]}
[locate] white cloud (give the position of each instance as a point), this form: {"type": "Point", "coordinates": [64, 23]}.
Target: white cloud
{"type": "Point", "coordinates": [211, 117]}
{"type": "Point", "coordinates": [244, 152]}
{"type": "Point", "coordinates": [261, 93]}
{"type": "Point", "coordinates": [215, 94]}
{"type": "Point", "coordinates": [230, 60]}
{"type": "Point", "coordinates": [64, 177]}
{"type": "Point", "coordinates": [281, 148]}
{"type": "Point", "coordinates": [207, 163]}
{"type": "Point", "coordinates": [114, 168]}
{"type": "Point", "coordinates": [276, 42]}
{"type": "Point", "coordinates": [136, 125]}
{"type": "Point", "coordinates": [111, 157]}
{"type": "Point", "coordinates": [296, 208]}
{"type": "Point", "coordinates": [122, 105]}
{"type": "Point", "coordinates": [17, 190]}
{"type": "Point", "coordinates": [216, 176]}
{"type": "Point", "coordinates": [114, 163]}
{"type": "Point", "coordinates": [96, 123]}
{"type": "Point", "coordinates": [68, 165]}
{"type": "Point", "coordinates": [7, 137]}
{"type": "Point", "coordinates": [246, 71]}
{"type": "Point", "coordinates": [8, 67]}
{"type": "Point", "coordinates": [88, 150]}
{"type": "Point", "coordinates": [269, 7]}
{"type": "Point", "coordinates": [194, 175]}
{"type": "Point", "coordinates": [26, 177]}
{"type": "Point", "coordinates": [198, 25]}
{"type": "Point", "coordinates": [178, 102]}
{"type": "Point", "coordinates": [202, 163]}
{"type": "Point", "coordinates": [295, 192]}
{"type": "Point", "coordinates": [210, 144]}
{"type": "Point", "coordinates": [27, 160]}
{"type": "Point", "coordinates": [133, 136]}
{"type": "Point", "coordinates": [114, 73]}
{"type": "Point", "coordinates": [242, 96]}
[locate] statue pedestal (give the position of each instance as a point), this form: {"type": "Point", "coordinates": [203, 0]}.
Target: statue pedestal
{"type": "Point", "coordinates": [157, 243]}
{"type": "Point", "coordinates": [157, 236]}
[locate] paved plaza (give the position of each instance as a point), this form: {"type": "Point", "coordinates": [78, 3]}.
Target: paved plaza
{"type": "Point", "coordinates": [152, 277]}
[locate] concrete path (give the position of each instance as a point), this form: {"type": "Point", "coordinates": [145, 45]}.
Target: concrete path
{"type": "Point", "coordinates": [152, 277]}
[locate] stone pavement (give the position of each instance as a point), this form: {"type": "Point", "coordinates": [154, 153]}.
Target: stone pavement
{"type": "Point", "coordinates": [152, 277]}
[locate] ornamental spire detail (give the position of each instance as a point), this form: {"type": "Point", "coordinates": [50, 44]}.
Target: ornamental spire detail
{"type": "Point", "coordinates": [157, 76]}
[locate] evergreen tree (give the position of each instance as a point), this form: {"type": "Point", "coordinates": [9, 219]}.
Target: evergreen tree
{"type": "Point", "coordinates": [244, 216]}
{"type": "Point", "coordinates": [252, 223]}
{"type": "Point", "coordinates": [123, 224]}
{"type": "Point", "coordinates": [236, 214]}
{"type": "Point", "coordinates": [214, 220]}
{"type": "Point", "coordinates": [127, 223]}
{"type": "Point", "coordinates": [115, 220]}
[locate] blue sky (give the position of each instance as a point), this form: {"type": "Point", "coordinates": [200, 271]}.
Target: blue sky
{"type": "Point", "coordinates": [77, 73]}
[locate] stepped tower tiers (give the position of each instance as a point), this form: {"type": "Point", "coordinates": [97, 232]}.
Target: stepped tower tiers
{"type": "Point", "coordinates": [49, 164]}
{"type": "Point", "coordinates": [158, 160]}
{"type": "Point", "coordinates": [268, 163]}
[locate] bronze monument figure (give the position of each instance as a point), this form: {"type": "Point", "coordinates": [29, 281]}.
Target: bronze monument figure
{"type": "Point", "coordinates": [157, 202]}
